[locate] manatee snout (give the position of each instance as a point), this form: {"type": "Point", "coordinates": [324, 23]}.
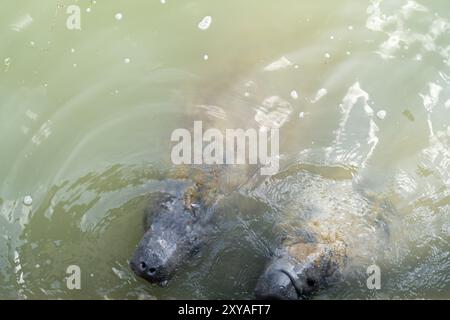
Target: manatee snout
{"type": "Point", "coordinates": [298, 271]}
{"type": "Point", "coordinates": [174, 233]}
{"type": "Point", "coordinates": [275, 283]}
{"type": "Point", "coordinates": [154, 260]}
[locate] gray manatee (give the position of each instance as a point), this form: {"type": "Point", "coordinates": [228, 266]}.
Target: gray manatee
{"type": "Point", "coordinates": [329, 230]}
{"type": "Point", "coordinates": [181, 219]}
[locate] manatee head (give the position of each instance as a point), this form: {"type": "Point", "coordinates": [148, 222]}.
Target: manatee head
{"type": "Point", "coordinates": [299, 270]}
{"type": "Point", "coordinates": [173, 234]}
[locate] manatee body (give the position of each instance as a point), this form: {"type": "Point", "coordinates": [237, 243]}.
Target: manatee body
{"type": "Point", "coordinates": [329, 229]}
{"type": "Point", "coordinates": [181, 219]}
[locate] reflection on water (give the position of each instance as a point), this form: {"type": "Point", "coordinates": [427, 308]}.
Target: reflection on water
{"type": "Point", "coordinates": [359, 89]}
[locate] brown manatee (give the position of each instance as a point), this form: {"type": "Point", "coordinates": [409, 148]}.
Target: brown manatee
{"type": "Point", "coordinates": [328, 231]}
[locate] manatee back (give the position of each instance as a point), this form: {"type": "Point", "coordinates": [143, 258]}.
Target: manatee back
{"type": "Point", "coordinates": [312, 207]}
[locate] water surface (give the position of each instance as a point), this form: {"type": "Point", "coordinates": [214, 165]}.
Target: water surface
{"type": "Point", "coordinates": [359, 89]}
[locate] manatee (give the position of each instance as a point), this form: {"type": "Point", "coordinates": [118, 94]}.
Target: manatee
{"type": "Point", "coordinates": [330, 230]}
{"type": "Point", "coordinates": [181, 219]}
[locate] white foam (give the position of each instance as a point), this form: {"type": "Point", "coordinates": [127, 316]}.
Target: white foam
{"type": "Point", "coordinates": [432, 98]}
{"type": "Point", "coordinates": [319, 95]}
{"type": "Point", "coordinates": [22, 23]}
{"type": "Point", "coordinates": [354, 93]}
{"type": "Point", "coordinates": [373, 140]}
{"type": "Point", "coordinates": [214, 111]}
{"type": "Point", "coordinates": [273, 113]}
{"type": "Point", "coordinates": [400, 36]}
{"type": "Point", "coordinates": [368, 109]}
{"type": "Point", "coordinates": [412, 6]}
{"type": "Point", "coordinates": [281, 63]}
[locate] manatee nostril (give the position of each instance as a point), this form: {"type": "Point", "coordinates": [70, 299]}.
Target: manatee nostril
{"type": "Point", "coordinates": [310, 282]}
{"type": "Point", "coordinates": [151, 271]}
{"type": "Point", "coordinates": [143, 266]}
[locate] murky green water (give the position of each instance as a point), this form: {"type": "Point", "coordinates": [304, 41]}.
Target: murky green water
{"type": "Point", "coordinates": [359, 87]}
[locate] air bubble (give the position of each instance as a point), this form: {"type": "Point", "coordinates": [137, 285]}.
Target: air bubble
{"type": "Point", "coordinates": [28, 200]}
{"type": "Point", "coordinates": [381, 114]}
{"type": "Point", "coordinates": [205, 23]}
{"type": "Point", "coordinates": [294, 95]}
